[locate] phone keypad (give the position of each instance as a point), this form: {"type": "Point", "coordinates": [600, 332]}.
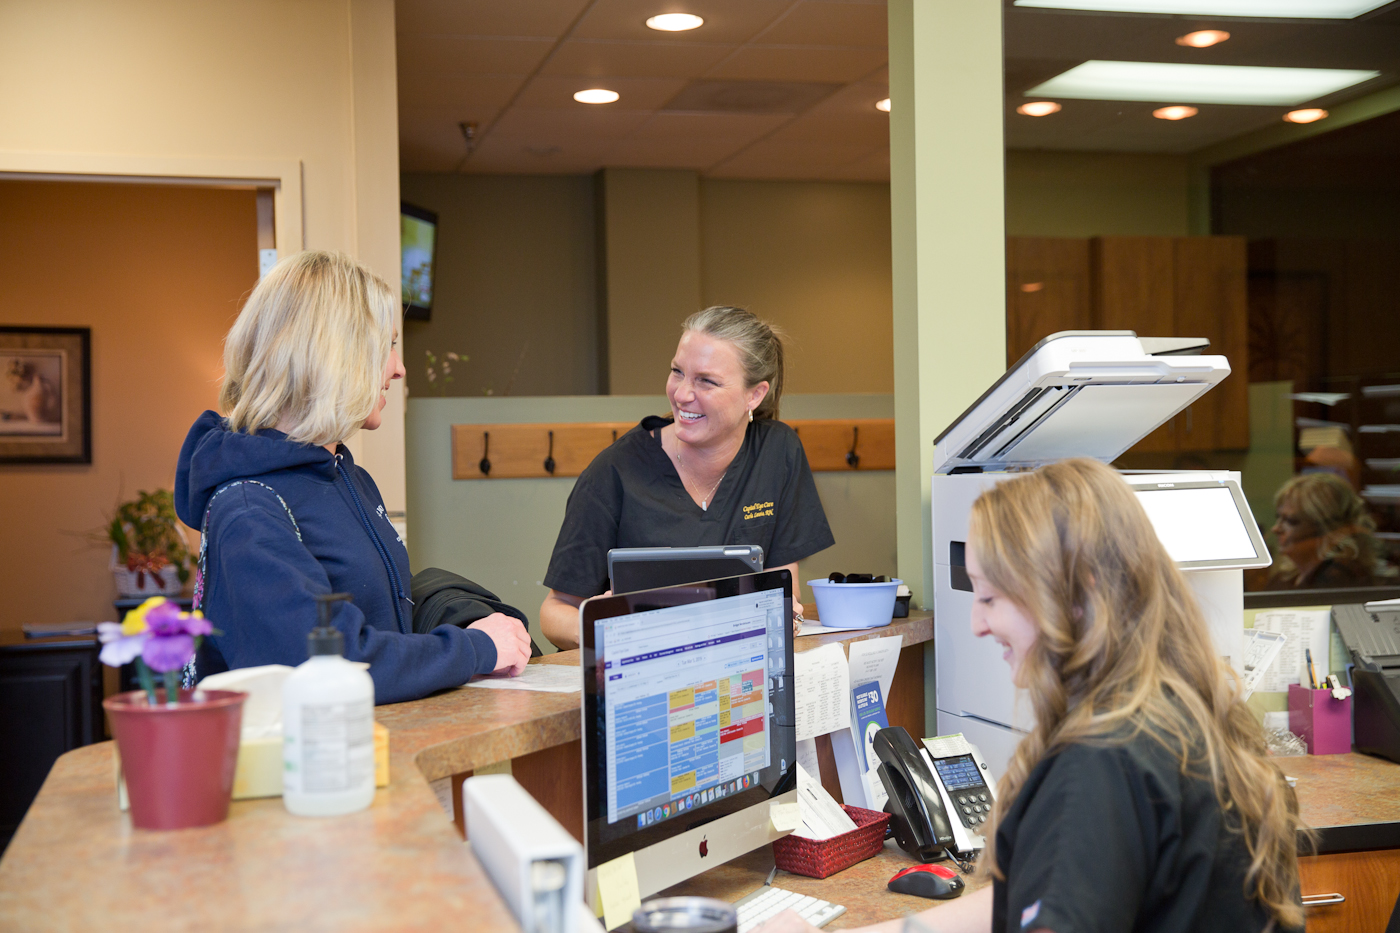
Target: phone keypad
{"type": "Point", "coordinates": [973, 804]}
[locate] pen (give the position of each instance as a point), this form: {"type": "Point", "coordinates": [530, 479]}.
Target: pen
{"type": "Point", "coordinates": [1312, 675]}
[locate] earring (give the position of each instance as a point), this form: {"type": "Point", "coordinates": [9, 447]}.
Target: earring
{"type": "Point", "coordinates": [750, 415]}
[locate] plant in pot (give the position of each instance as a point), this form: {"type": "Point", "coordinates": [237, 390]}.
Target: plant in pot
{"type": "Point", "coordinates": [179, 750]}
{"type": "Point", "coordinates": [149, 557]}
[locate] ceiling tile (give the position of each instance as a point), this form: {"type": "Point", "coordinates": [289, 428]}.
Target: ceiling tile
{"type": "Point", "coordinates": [467, 97]}
{"type": "Point", "coordinates": [452, 54]}
{"type": "Point", "coordinates": [557, 92]}
{"type": "Point", "coordinates": [840, 128]}
{"type": "Point", "coordinates": [635, 59]}
{"type": "Point", "coordinates": [488, 17]}
{"type": "Point", "coordinates": [742, 126]}
{"type": "Point", "coordinates": [503, 154]}
{"type": "Point", "coordinates": [862, 25]}
{"type": "Point", "coordinates": [697, 153]}
{"type": "Point", "coordinates": [773, 159]}
{"type": "Point", "coordinates": [557, 126]}
{"type": "Point", "coordinates": [768, 63]}
{"type": "Point", "coordinates": [726, 21]}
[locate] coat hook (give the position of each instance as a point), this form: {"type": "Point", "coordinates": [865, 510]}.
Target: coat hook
{"type": "Point", "coordinates": [614, 430]}
{"type": "Point", "coordinates": [485, 465]}
{"type": "Point", "coordinates": [853, 458]}
{"type": "Point", "coordinates": [549, 460]}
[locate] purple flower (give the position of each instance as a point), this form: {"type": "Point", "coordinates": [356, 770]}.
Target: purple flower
{"type": "Point", "coordinates": [119, 649]}
{"type": "Point", "coordinates": [169, 652]}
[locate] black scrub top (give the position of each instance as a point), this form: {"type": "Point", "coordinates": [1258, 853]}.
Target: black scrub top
{"type": "Point", "coordinates": [632, 496]}
{"type": "Point", "coordinates": [1116, 838]}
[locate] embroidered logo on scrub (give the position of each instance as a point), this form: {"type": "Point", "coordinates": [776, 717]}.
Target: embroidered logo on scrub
{"type": "Point", "coordinates": [1029, 914]}
{"type": "Point", "coordinates": [758, 510]}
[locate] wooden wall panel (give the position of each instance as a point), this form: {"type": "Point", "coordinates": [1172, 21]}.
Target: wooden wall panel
{"type": "Point", "coordinates": [1048, 285]}
{"type": "Point", "coordinates": [1211, 299]}
{"type": "Point", "coordinates": [1370, 882]}
{"type": "Point", "coordinates": [519, 451]}
{"type": "Point", "coordinates": [1134, 282]}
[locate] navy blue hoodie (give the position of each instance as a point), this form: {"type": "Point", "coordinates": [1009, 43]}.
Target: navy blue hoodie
{"type": "Point", "coordinates": [291, 521]}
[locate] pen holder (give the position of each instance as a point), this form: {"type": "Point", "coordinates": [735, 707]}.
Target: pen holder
{"type": "Point", "coordinates": [1320, 720]}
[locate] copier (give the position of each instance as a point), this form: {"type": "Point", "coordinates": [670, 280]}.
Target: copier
{"type": "Point", "coordinates": [1079, 394]}
{"type": "Point", "coordinates": [1371, 632]}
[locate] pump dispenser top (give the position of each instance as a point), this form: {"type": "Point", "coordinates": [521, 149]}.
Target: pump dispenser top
{"type": "Point", "coordinates": [325, 638]}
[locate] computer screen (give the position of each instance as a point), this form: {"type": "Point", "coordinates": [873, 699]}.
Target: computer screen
{"type": "Point", "coordinates": [689, 721]}
{"type": "Point", "coordinates": [1203, 525]}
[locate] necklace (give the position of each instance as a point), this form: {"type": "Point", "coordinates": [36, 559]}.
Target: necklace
{"type": "Point", "coordinates": [705, 502]}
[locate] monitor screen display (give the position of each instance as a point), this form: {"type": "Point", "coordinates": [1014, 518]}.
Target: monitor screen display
{"type": "Point", "coordinates": [418, 245]}
{"type": "Point", "coordinates": [1199, 523]}
{"type": "Point", "coordinates": [687, 703]}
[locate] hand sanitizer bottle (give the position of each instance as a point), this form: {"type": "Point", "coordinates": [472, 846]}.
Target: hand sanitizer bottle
{"type": "Point", "coordinates": [327, 726]}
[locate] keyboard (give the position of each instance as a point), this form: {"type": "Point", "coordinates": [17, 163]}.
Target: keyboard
{"type": "Point", "coordinates": [768, 902]}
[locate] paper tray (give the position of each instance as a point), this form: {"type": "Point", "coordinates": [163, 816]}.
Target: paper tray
{"type": "Point", "coordinates": [821, 858]}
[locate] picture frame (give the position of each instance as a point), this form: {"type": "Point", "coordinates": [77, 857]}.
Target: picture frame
{"type": "Point", "coordinates": [45, 394]}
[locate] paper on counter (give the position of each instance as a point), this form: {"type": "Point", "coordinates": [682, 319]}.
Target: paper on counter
{"type": "Point", "coordinates": [1263, 647]}
{"type": "Point", "coordinates": [823, 690]}
{"type": "Point", "coordinates": [822, 816]}
{"type": "Point", "coordinates": [618, 890]}
{"type": "Point", "coordinates": [874, 660]}
{"type": "Point", "coordinates": [546, 678]}
{"type": "Point", "coordinates": [1305, 629]}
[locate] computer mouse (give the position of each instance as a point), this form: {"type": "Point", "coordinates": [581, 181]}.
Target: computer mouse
{"type": "Point", "coordinates": [933, 881]}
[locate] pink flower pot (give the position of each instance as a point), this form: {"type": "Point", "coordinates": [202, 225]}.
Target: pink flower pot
{"type": "Point", "coordinates": [179, 760]}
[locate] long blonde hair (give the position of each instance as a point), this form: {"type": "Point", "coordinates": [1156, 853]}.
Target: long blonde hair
{"type": "Point", "coordinates": [309, 348]}
{"type": "Point", "coordinates": [1123, 648]}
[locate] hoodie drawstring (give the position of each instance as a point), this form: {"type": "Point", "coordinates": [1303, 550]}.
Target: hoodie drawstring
{"type": "Point", "coordinates": [389, 565]}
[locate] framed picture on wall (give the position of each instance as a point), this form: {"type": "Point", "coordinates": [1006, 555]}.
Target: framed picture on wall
{"type": "Point", "coordinates": [45, 395]}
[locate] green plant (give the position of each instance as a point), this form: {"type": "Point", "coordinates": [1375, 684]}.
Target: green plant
{"type": "Point", "coordinates": [439, 372]}
{"type": "Point", "coordinates": [147, 534]}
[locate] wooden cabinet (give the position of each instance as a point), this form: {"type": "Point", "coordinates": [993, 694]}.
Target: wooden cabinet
{"type": "Point", "coordinates": [1369, 882]}
{"type": "Point", "coordinates": [1156, 287]}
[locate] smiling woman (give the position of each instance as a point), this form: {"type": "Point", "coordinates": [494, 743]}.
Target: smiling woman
{"type": "Point", "coordinates": [692, 478]}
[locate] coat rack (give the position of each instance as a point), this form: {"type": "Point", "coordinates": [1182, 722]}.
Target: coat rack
{"type": "Point", "coordinates": [518, 451]}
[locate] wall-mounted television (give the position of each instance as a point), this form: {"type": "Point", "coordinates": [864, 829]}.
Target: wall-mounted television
{"type": "Point", "coordinates": [418, 246]}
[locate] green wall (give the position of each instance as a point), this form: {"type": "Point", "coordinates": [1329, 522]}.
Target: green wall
{"type": "Point", "coordinates": [500, 532]}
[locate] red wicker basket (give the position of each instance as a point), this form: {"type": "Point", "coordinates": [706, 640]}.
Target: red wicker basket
{"type": "Point", "coordinates": [822, 858]}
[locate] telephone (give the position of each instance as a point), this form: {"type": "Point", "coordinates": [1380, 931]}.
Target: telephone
{"type": "Point", "coordinates": [925, 784]}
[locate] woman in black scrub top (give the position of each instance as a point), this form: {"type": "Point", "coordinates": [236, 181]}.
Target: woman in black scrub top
{"type": "Point", "coordinates": [721, 469]}
{"type": "Point", "coordinates": [1142, 800]}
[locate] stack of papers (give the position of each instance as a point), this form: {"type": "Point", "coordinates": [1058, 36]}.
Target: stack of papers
{"type": "Point", "coordinates": [822, 816]}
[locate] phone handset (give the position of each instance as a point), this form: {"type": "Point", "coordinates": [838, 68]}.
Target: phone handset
{"type": "Point", "coordinates": [920, 823]}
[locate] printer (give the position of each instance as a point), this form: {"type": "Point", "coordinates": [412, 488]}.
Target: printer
{"type": "Point", "coordinates": [1371, 632]}
{"type": "Point", "coordinates": [1079, 394]}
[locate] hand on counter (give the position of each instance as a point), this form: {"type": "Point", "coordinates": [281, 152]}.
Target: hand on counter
{"type": "Point", "coordinates": [511, 639]}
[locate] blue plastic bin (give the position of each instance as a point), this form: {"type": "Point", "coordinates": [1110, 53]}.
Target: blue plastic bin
{"type": "Point", "coordinates": [855, 605]}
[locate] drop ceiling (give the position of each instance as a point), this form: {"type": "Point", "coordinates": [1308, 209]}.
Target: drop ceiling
{"type": "Point", "coordinates": [787, 88]}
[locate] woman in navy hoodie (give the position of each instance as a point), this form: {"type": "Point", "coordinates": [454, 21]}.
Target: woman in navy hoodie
{"type": "Point", "coordinates": [287, 515]}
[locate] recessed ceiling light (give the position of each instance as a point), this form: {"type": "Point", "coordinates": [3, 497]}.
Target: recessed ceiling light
{"type": "Point", "coordinates": [1039, 108]}
{"type": "Point", "coordinates": [1203, 38]}
{"type": "Point", "coordinates": [1029, 287]}
{"type": "Point", "coordinates": [883, 105]}
{"type": "Point", "coordinates": [1199, 84]}
{"type": "Point", "coordinates": [596, 95]}
{"type": "Point", "coordinates": [1289, 9]}
{"type": "Point", "coordinates": [1174, 113]}
{"type": "Point", "coordinates": [675, 22]}
{"type": "Point", "coordinates": [1311, 115]}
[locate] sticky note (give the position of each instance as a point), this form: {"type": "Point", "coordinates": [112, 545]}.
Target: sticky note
{"type": "Point", "coordinates": [785, 816]}
{"type": "Point", "coordinates": [617, 890]}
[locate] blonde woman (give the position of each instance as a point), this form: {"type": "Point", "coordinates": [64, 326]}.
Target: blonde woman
{"type": "Point", "coordinates": [720, 469]}
{"type": "Point", "coordinates": [1143, 799]}
{"type": "Point", "coordinates": [286, 513]}
{"type": "Point", "coordinates": [1324, 535]}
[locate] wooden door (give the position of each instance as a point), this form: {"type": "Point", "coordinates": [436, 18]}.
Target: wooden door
{"type": "Point", "coordinates": [1211, 300]}
{"type": "Point", "coordinates": [1370, 882]}
{"type": "Point", "coordinates": [1047, 290]}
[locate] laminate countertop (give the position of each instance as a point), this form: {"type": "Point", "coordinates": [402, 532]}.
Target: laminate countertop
{"type": "Point", "coordinates": [77, 863]}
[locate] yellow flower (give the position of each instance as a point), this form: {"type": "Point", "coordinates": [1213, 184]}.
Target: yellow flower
{"type": "Point", "coordinates": [135, 621]}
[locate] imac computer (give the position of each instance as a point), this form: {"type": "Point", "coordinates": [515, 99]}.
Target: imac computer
{"type": "Point", "coordinates": [689, 732]}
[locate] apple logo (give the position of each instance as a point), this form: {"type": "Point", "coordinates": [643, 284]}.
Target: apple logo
{"type": "Point", "coordinates": [704, 847]}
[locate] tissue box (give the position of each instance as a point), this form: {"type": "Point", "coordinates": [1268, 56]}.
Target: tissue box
{"type": "Point", "coordinates": [259, 772]}
{"type": "Point", "coordinates": [1320, 720]}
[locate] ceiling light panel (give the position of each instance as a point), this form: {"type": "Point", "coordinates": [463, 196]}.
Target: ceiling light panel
{"type": "Point", "coordinates": [1198, 84]}
{"type": "Point", "coordinates": [1282, 9]}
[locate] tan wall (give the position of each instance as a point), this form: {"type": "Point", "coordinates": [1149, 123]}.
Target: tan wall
{"type": "Point", "coordinates": [130, 83]}
{"type": "Point", "coordinates": [515, 284]}
{"type": "Point", "coordinates": [813, 257]}
{"type": "Point", "coordinates": [1084, 194]}
{"type": "Point", "coordinates": [158, 273]}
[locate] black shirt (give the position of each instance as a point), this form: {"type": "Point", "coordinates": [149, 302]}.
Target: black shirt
{"type": "Point", "coordinates": [1116, 838]}
{"type": "Point", "coordinates": [632, 496]}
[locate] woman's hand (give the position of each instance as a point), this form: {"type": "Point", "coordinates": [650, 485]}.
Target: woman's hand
{"type": "Point", "coordinates": [511, 639]}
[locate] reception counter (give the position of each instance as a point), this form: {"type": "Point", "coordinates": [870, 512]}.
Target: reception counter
{"type": "Point", "coordinates": [76, 863]}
